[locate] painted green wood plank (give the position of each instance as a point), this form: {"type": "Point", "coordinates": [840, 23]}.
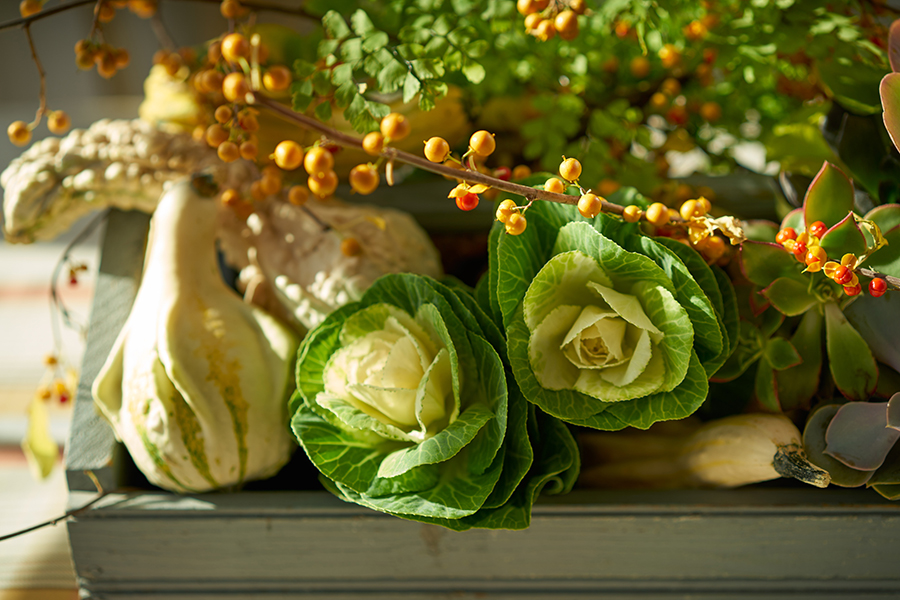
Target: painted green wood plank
{"type": "Point", "coordinates": [92, 445]}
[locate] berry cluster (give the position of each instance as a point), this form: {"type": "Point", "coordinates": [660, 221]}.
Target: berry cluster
{"type": "Point", "coordinates": [544, 19]}
{"type": "Point", "coordinates": [57, 383]}
{"type": "Point", "coordinates": [805, 246]}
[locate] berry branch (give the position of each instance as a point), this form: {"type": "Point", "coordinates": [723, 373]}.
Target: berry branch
{"type": "Point", "coordinates": [349, 141]}
{"type": "Point", "coordinates": [43, 14]}
{"type": "Point", "coordinates": [871, 273]}
{"type": "Point", "coordinates": [297, 11]}
{"type": "Point", "coordinates": [42, 108]}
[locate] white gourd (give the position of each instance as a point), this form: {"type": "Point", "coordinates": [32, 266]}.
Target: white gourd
{"type": "Point", "coordinates": [197, 383]}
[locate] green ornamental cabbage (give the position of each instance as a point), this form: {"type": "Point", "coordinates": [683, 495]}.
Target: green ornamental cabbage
{"type": "Point", "coordinates": [405, 405]}
{"type": "Point", "coordinates": [607, 327]}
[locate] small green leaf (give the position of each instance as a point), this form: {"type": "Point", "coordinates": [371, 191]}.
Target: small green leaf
{"type": "Point", "coordinates": [303, 69]}
{"type": "Point", "coordinates": [342, 74]}
{"type": "Point", "coordinates": [789, 296]}
{"type": "Point", "coordinates": [411, 86]}
{"type": "Point", "coordinates": [477, 48]}
{"type": "Point", "coordinates": [351, 50]}
{"type": "Point", "coordinates": [852, 365]}
{"type": "Point", "coordinates": [763, 263]}
{"type": "Point", "coordinates": [392, 76]}
{"type": "Point", "coordinates": [300, 98]}
{"type": "Point", "coordinates": [781, 354]}
{"type": "Point", "coordinates": [886, 216]}
{"type": "Point", "coordinates": [321, 83]}
{"type": "Point", "coordinates": [323, 111]}
{"type": "Point", "coordinates": [473, 71]}
{"type": "Point", "coordinates": [428, 68]}
{"type": "Point", "coordinates": [829, 198]}
{"type": "Point", "coordinates": [764, 385]}
{"type": "Point", "coordinates": [361, 23]}
{"type": "Point", "coordinates": [794, 219]}
{"type": "Point", "coordinates": [843, 238]}
{"type": "Point", "coordinates": [375, 41]}
{"type": "Point", "coordinates": [797, 385]}
{"type": "Point", "coordinates": [335, 25]}
{"type": "Point", "coordinates": [344, 95]}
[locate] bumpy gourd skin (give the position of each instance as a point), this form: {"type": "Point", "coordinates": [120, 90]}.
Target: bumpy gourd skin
{"type": "Point", "coordinates": [198, 381]}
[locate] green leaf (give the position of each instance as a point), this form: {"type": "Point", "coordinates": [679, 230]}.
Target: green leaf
{"type": "Point", "coordinates": [361, 23]}
{"type": "Point", "coordinates": [760, 231]}
{"type": "Point", "coordinates": [351, 50]}
{"type": "Point", "coordinates": [886, 216]}
{"type": "Point", "coordinates": [764, 385]}
{"type": "Point", "coordinates": [890, 101]}
{"type": "Point", "coordinates": [730, 314]}
{"type": "Point", "coordinates": [876, 321]}
{"type": "Point", "coordinates": [477, 48]}
{"type": "Point", "coordinates": [781, 354]}
{"type": "Point", "coordinates": [797, 385]}
{"type": "Point", "coordinates": [844, 237]}
{"type": "Point", "coordinates": [303, 69]}
{"type": "Point", "coordinates": [830, 196]}
{"type": "Point", "coordinates": [887, 259]}
{"type": "Point", "coordinates": [763, 263]}
{"type": "Point", "coordinates": [392, 76]}
{"type": "Point", "coordinates": [859, 437]}
{"type": "Point", "coordinates": [335, 25]}
{"type": "Point", "coordinates": [411, 86]}
{"type": "Point", "coordinates": [375, 41]}
{"type": "Point", "coordinates": [323, 111]}
{"type": "Point", "coordinates": [342, 74]}
{"type": "Point", "coordinates": [428, 68]}
{"type": "Point", "coordinates": [473, 71]}
{"type": "Point", "coordinates": [748, 350]}
{"type": "Point", "coordinates": [789, 296]}
{"type": "Point", "coordinates": [345, 94]}
{"type": "Point", "coordinates": [852, 365]}
{"type": "Point", "coordinates": [795, 220]}
{"type": "Point", "coordinates": [814, 446]}
{"type": "Point", "coordinates": [853, 85]}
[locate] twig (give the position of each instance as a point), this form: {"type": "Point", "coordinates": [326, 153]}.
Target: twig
{"type": "Point", "coordinates": [349, 141]}
{"type": "Point", "coordinates": [161, 33]}
{"type": "Point", "coordinates": [299, 11]}
{"type": "Point", "coordinates": [70, 513]}
{"type": "Point", "coordinates": [872, 274]}
{"type": "Point", "coordinates": [44, 14]}
{"type": "Point", "coordinates": [43, 77]}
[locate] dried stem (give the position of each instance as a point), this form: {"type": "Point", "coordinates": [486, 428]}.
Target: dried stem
{"type": "Point", "coordinates": [44, 14]}
{"type": "Point", "coordinates": [257, 5]}
{"type": "Point", "coordinates": [350, 141]}
{"type": "Point", "coordinates": [871, 273]}
{"type": "Point", "coordinates": [43, 77]}
{"type": "Point", "coordinates": [161, 33]}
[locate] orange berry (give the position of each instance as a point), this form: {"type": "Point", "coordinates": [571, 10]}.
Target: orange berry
{"type": "Point", "coordinates": [143, 8]}
{"type": "Point", "coordinates": [256, 191]}
{"type": "Point", "coordinates": [468, 201]}
{"type": "Point", "coordinates": [788, 233]}
{"type": "Point", "coordinates": [639, 67]}
{"type": "Point", "coordinates": [323, 184]}
{"type": "Point", "coordinates": [298, 195]}
{"type": "Point", "coordinates": [230, 9]}
{"type": "Point", "coordinates": [877, 287]}
{"type": "Point", "coordinates": [658, 214]}
{"type": "Point", "coordinates": [270, 185]}
{"type": "Point", "coordinates": [482, 143]}
{"type": "Point", "coordinates": [608, 187]}
{"type": "Point", "coordinates": [122, 58]}
{"type": "Point", "coordinates": [545, 30]}
{"type": "Point", "coordinates": [695, 31]}
{"type": "Point", "coordinates": [527, 7]}
{"type": "Point", "coordinates": [690, 209]}
{"type": "Point", "coordinates": [632, 213]}
{"type": "Point", "coordinates": [532, 20]}
{"type": "Point", "coordinates": [212, 80]}
{"type": "Point", "coordinates": [248, 122]}
{"type": "Point", "coordinates": [437, 149]}
{"type": "Point", "coordinates": [610, 65]}
{"type": "Point", "coordinates": [318, 160]}
{"type": "Point", "coordinates": [816, 254]}
{"type": "Point", "coordinates": [842, 275]}
{"type": "Point", "coordinates": [505, 210]}
{"type": "Point", "coordinates": [570, 169]}
{"type": "Point", "coordinates": [817, 229]}
{"type": "Point", "coordinates": [577, 6]}
{"type": "Point", "coordinates": [172, 64]}
{"type": "Point", "coordinates": [228, 151]}
{"type": "Point", "coordinates": [58, 122]}
{"type": "Point", "coordinates": [216, 135]}
{"type": "Point", "coordinates": [515, 224]}
{"type": "Point", "coordinates": [711, 112]}
{"type": "Point", "coordinates": [566, 24]}
{"type": "Point", "coordinates": [249, 150]}
{"type": "Point", "coordinates": [669, 55]}
{"type": "Point", "coordinates": [521, 172]}
{"type": "Point", "coordinates": [705, 204]}
{"type": "Point", "coordinates": [670, 87]}
{"type": "Point", "coordinates": [230, 197]}
{"type": "Point", "coordinates": [214, 52]}
{"type": "Point", "coordinates": [373, 143]}
{"type": "Point", "coordinates": [590, 205]}
{"type": "Point", "coordinates": [277, 78]}
{"type": "Point", "coordinates": [29, 7]}
{"type": "Point", "coordinates": [555, 186]}
{"type": "Point", "coordinates": [19, 133]}
{"type": "Point", "coordinates": [395, 126]}
{"type": "Point", "coordinates": [235, 47]}
{"type": "Point", "coordinates": [714, 248]}
{"type": "Point", "coordinates": [364, 179]}
{"type": "Point", "coordinates": [235, 87]}
{"type": "Point", "coordinates": [105, 12]}
{"type": "Point", "coordinates": [223, 114]}
{"type": "Point", "coordinates": [106, 65]}
{"type": "Point", "coordinates": [350, 247]}
{"type": "Point", "coordinates": [852, 290]}
{"type": "Point", "coordinates": [289, 155]}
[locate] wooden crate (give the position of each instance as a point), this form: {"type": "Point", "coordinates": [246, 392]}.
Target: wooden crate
{"type": "Point", "coordinates": [772, 542]}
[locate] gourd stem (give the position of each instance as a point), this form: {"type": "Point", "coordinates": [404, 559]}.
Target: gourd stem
{"type": "Point", "coordinates": [791, 461]}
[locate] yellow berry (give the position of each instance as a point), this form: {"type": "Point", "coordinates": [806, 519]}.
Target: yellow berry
{"type": "Point", "coordinates": [437, 149]}
{"type": "Point", "coordinates": [235, 87]}
{"type": "Point", "coordinates": [288, 155]}
{"type": "Point", "coordinates": [515, 224]}
{"type": "Point", "coordinates": [230, 9]}
{"type": "Point", "coordinates": [566, 24]}
{"type": "Point", "coordinates": [58, 122]}
{"type": "Point", "coordinates": [848, 260]}
{"type": "Point", "coordinates": [248, 122]}
{"type": "Point", "coordinates": [590, 205]}
{"type": "Point", "coordinates": [395, 126]}
{"type": "Point", "coordinates": [711, 111]}
{"type": "Point", "coordinates": [639, 67]}
{"type": "Point", "coordinates": [532, 20]}
{"type": "Point", "coordinates": [235, 47]}
{"type": "Point", "coordinates": [669, 55]}
{"type": "Point", "coordinates": [318, 160]}
{"type": "Point", "coordinates": [364, 179]}
{"type": "Point", "coordinates": [223, 114]}
{"type": "Point", "coordinates": [298, 195]}
{"type": "Point", "coordinates": [829, 268]}
{"type": "Point", "coordinates": [545, 30]}
{"type": "Point", "coordinates": [482, 143]}
{"type": "Point", "coordinates": [19, 133]}
{"type": "Point", "coordinates": [216, 135]}
{"type": "Point", "coordinates": [228, 151]}
{"type": "Point", "coordinates": [658, 214]}
{"type": "Point", "coordinates": [520, 172]}
{"type": "Point", "coordinates": [256, 191]}
{"type": "Point", "coordinates": [277, 78]}
{"type": "Point", "coordinates": [323, 184]}
{"type": "Point", "coordinates": [249, 150]}
{"type": "Point", "coordinates": [230, 197]}
{"type": "Point", "coordinates": [373, 143]}
{"type": "Point", "coordinates": [350, 247]}
{"type": "Point", "coordinates": [270, 185]}
{"type": "Point", "coordinates": [577, 6]}
{"type": "Point", "coordinates": [705, 204]}
{"type": "Point", "coordinates": [555, 185]}
{"type": "Point", "coordinates": [632, 213]}
{"type": "Point", "coordinates": [714, 248]}
{"type": "Point", "coordinates": [570, 169]}
{"type": "Point", "coordinates": [506, 209]}
{"type": "Point", "coordinates": [29, 7]}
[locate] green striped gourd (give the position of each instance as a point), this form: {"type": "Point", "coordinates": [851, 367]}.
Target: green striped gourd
{"type": "Point", "coordinates": [197, 382]}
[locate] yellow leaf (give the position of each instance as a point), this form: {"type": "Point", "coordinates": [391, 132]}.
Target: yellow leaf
{"type": "Point", "coordinates": [40, 449]}
{"type": "Point", "coordinates": [479, 188]}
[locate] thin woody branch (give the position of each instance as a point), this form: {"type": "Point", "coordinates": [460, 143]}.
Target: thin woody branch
{"type": "Point", "coordinates": [44, 14]}
{"type": "Point", "coordinates": [350, 141]}
{"type": "Point", "coordinates": [871, 273]}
